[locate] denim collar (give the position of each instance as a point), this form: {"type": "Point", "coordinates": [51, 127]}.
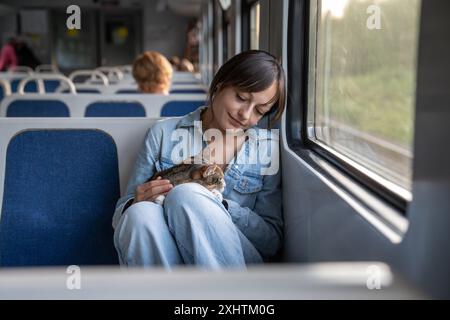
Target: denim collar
{"type": "Point", "coordinates": [190, 119]}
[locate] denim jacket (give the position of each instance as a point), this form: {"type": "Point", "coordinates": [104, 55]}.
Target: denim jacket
{"type": "Point", "coordinates": [253, 197]}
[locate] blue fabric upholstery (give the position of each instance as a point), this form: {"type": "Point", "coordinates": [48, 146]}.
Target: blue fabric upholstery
{"type": "Point", "coordinates": [88, 91]}
{"type": "Point", "coordinates": [37, 108]}
{"type": "Point", "coordinates": [51, 85]}
{"type": "Point", "coordinates": [186, 82]}
{"type": "Point", "coordinates": [82, 91]}
{"type": "Point", "coordinates": [29, 87]}
{"type": "Point", "coordinates": [61, 187]}
{"type": "Point", "coordinates": [187, 91]}
{"type": "Point", "coordinates": [115, 109]}
{"type": "Point", "coordinates": [127, 91]}
{"type": "Point", "coordinates": [180, 108]}
{"type": "Point", "coordinates": [134, 91]}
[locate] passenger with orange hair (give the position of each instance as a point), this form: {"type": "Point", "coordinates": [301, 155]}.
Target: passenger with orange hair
{"type": "Point", "coordinates": [152, 72]}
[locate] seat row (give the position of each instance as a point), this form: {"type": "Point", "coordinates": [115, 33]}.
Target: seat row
{"type": "Point", "coordinates": [94, 82]}
{"type": "Point", "coordinates": [94, 105]}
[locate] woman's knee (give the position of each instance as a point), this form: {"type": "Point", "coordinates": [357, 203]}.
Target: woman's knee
{"type": "Point", "coordinates": [187, 195]}
{"type": "Point", "coordinates": [185, 192]}
{"type": "Point", "coordinates": [193, 201]}
{"type": "Point", "coordinates": [143, 215]}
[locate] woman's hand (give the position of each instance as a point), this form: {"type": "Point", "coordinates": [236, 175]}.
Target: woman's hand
{"type": "Point", "coordinates": [150, 190]}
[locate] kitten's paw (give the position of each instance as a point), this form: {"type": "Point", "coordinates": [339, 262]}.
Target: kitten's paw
{"type": "Point", "coordinates": [217, 194]}
{"type": "Point", "coordinates": [159, 199]}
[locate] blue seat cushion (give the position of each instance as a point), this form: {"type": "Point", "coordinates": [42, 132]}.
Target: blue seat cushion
{"type": "Point", "coordinates": [115, 109]}
{"type": "Point", "coordinates": [51, 85]}
{"type": "Point", "coordinates": [37, 108]}
{"type": "Point", "coordinates": [86, 90]}
{"type": "Point", "coordinates": [29, 87]}
{"type": "Point", "coordinates": [186, 82]}
{"type": "Point", "coordinates": [128, 91]}
{"type": "Point", "coordinates": [60, 191]}
{"type": "Point", "coordinates": [180, 108]}
{"type": "Point", "coordinates": [178, 91]}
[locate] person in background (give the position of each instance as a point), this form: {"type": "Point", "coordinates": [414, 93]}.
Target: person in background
{"type": "Point", "coordinates": [175, 62]}
{"type": "Point", "coordinates": [8, 56]}
{"type": "Point", "coordinates": [192, 43]}
{"type": "Point", "coordinates": [25, 56]}
{"type": "Point", "coordinates": [186, 66]}
{"type": "Point", "coordinates": [152, 72]}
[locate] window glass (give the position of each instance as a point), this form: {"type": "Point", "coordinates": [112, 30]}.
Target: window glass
{"type": "Point", "coordinates": [254, 25]}
{"type": "Point", "coordinates": [362, 84]}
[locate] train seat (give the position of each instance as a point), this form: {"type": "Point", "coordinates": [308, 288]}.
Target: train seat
{"type": "Point", "coordinates": [51, 85]}
{"type": "Point", "coordinates": [180, 108]}
{"type": "Point", "coordinates": [37, 108]}
{"type": "Point", "coordinates": [177, 91]}
{"type": "Point", "coordinates": [29, 87]}
{"type": "Point", "coordinates": [128, 91]}
{"type": "Point", "coordinates": [82, 90]}
{"type": "Point", "coordinates": [59, 183]}
{"type": "Point", "coordinates": [153, 105]}
{"type": "Point", "coordinates": [115, 109]}
{"type": "Point", "coordinates": [173, 91]}
{"type": "Point", "coordinates": [130, 88]}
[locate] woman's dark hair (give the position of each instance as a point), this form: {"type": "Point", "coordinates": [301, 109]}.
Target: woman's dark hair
{"type": "Point", "coordinates": [252, 71]}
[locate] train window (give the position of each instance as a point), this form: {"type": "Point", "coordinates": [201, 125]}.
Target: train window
{"type": "Point", "coordinates": [226, 34]}
{"type": "Point", "coordinates": [73, 48]}
{"type": "Point", "coordinates": [361, 87]}
{"type": "Point", "coordinates": [208, 40]}
{"type": "Point", "coordinates": [254, 25]}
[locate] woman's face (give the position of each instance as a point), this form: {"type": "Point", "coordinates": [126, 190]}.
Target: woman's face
{"type": "Point", "coordinates": [234, 109]}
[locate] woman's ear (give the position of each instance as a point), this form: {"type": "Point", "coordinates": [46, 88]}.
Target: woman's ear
{"type": "Point", "coordinates": [217, 89]}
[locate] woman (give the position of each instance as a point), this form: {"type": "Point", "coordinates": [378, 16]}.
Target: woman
{"type": "Point", "coordinates": [193, 227]}
{"type": "Point", "coordinates": [152, 72]}
{"type": "Point", "coordinates": [8, 55]}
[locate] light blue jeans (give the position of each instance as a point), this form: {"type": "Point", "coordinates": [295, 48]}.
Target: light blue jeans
{"type": "Point", "coordinates": [192, 227]}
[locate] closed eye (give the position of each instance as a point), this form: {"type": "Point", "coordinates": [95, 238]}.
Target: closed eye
{"type": "Point", "coordinates": [259, 112]}
{"type": "Point", "coordinates": [240, 98]}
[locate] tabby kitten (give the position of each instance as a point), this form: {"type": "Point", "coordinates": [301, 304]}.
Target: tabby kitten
{"type": "Point", "coordinates": [208, 175]}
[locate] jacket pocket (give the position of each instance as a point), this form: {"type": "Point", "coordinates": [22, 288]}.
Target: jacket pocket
{"type": "Point", "coordinates": [249, 183]}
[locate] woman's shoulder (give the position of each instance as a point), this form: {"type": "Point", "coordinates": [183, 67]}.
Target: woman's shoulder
{"type": "Point", "coordinates": [175, 122]}
{"type": "Point", "coordinates": [166, 125]}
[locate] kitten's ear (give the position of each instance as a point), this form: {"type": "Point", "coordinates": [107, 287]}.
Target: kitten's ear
{"type": "Point", "coordinates": [210, 170]}
{"type": "Point", "coordinates": [206, 161]}
{"type": "Point", "coordinates": [189, 160]}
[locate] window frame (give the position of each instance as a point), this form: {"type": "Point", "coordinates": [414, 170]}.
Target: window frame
{"type": "Point", "coordinates": [226, 21]}
{"type": "Point", "coordinates": [297, 126]}
{"type": "Point", "coordinates": [246, 6]}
